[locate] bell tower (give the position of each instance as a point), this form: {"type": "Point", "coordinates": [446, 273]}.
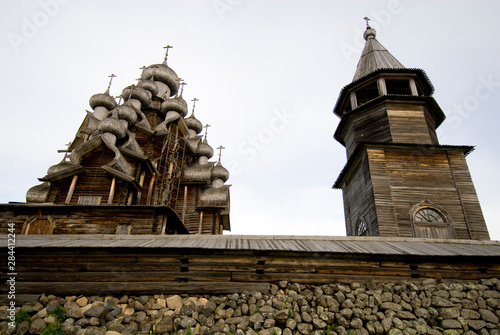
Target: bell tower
{"type": "Point", "coordinates": [399, 180]}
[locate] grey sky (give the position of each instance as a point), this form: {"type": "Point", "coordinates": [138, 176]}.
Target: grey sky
{"type": "Point", "coordinates": [267, 74]}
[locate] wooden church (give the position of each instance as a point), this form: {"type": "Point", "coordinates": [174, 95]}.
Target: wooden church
{"type": "Point", "coordinates": [136, 166]}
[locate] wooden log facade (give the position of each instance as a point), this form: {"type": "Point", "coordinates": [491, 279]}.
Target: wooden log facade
{"type": "Point", "coordinates": [102, 264]}
{"type": "Point", "coordinates": [398, 180]}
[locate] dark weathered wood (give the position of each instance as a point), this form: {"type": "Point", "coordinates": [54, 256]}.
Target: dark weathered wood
{"type": "Point", "coordinates": [76, 264]}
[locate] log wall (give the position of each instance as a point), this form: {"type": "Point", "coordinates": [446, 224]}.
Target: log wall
{"type": "Point", "coordinates": [226, 264]}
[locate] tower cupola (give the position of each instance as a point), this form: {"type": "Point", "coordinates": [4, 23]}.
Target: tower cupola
{"type": "Point", "coordinates": [373, 105]}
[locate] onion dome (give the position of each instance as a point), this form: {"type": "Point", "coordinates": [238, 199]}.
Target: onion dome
{"type": "Point", "coordinates": [61, 166]}
{"type": "Point", "coordinates": [369, 33]}
{"type": "Point", "coordinates": [164, 74]}
{"type": "Point", "coordinates": [102, 99]}
{"type": "Point", "coordinates": [193, 123]}
{"type": "Point", "coordinates": [219, 172]}
{"type": "Point", "coordinates": [126, 112]}
{"type": "Point", "coordinates": [204, 149]}
{"type": "Point", "coordinates": [113, 126]}
{"type": "Point", "coordinates": [149, 85]}
{"type": "Point", "coordinates": [177, 104]}
{"type": "Point", "coordinates": [38, 193]}
{"type": "Point", "coordinates": [138, 93]}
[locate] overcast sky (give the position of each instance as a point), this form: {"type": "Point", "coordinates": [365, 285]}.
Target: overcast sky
{"type": "Point", "coordinates": [267, 74]}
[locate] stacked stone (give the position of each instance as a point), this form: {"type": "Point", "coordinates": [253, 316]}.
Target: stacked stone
{"type": "Point", "coordinates": [408, 308]}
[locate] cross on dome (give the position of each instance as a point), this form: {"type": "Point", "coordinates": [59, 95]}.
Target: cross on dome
{"type": "Point", "coordinates": [181, 84]}
{"type": "Point", "coordinates": [206, 129]}
{"type": "Point", "coordinates": [220, 147]}
{"type": "Point", "coordinates": [111, 76]}
{"type": "Point", "coordinates": [367, 19]}
{"type": "Point", "coordinates": [166, 53]}
{"type": "Point", "coordinates": [194, 104]}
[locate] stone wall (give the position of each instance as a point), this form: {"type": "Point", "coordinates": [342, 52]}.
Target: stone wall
{"type": "Point", "coordinates": [425, 307]}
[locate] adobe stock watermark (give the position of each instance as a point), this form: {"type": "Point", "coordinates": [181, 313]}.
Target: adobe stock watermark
{"type": "Point", "coordinates": [378, 20]}
{"type": "Point", "coordinates": [31, 26]}
{"type": "Point", "coordinates": [222, 7]}
{"type": "Point", "coordinates": [250, 147]}
{"type": "Point", "coordinates": [459, 112]}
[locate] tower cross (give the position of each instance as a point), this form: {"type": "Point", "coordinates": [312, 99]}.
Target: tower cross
{"type": "Point", "coordinates": [166, 53]}
{"type": "Point", "coordinates": [206, 129]}
{"type": "Point", "coordinates": [367, 19]}
{"type": "Point", "coordinates": [220, 147]}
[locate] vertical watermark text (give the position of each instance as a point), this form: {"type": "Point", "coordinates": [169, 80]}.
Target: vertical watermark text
{"type": "Point", "coordinates": [11, 274]}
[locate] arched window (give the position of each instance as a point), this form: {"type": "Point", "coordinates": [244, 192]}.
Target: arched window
{"type": "Point", "coordinates": [431, 221]}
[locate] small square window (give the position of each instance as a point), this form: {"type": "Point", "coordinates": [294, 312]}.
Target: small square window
{"type": "Point", "coordinates": [89, 200]}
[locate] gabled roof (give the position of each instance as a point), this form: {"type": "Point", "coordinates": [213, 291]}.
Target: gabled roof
{"type": "Point", "coordinates": [375, 56]}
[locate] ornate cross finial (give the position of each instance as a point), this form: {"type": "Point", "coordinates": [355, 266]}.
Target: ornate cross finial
{"type": "Point", "coordinates": [367, 19]}
{"type": "Point", "coordinates": [110, 80]}
{"type": "Point", "coordinates": [220, 147]}
{"type": "Point", "coordinates": [166, 53]}
{"type": "Point", "coordinates": [206, 129]}
{"type": "Point", "coordinates": [194, 104]}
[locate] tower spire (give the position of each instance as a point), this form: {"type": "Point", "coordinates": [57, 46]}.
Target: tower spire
{"type": "Point", "coordinates": [374, 56]}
